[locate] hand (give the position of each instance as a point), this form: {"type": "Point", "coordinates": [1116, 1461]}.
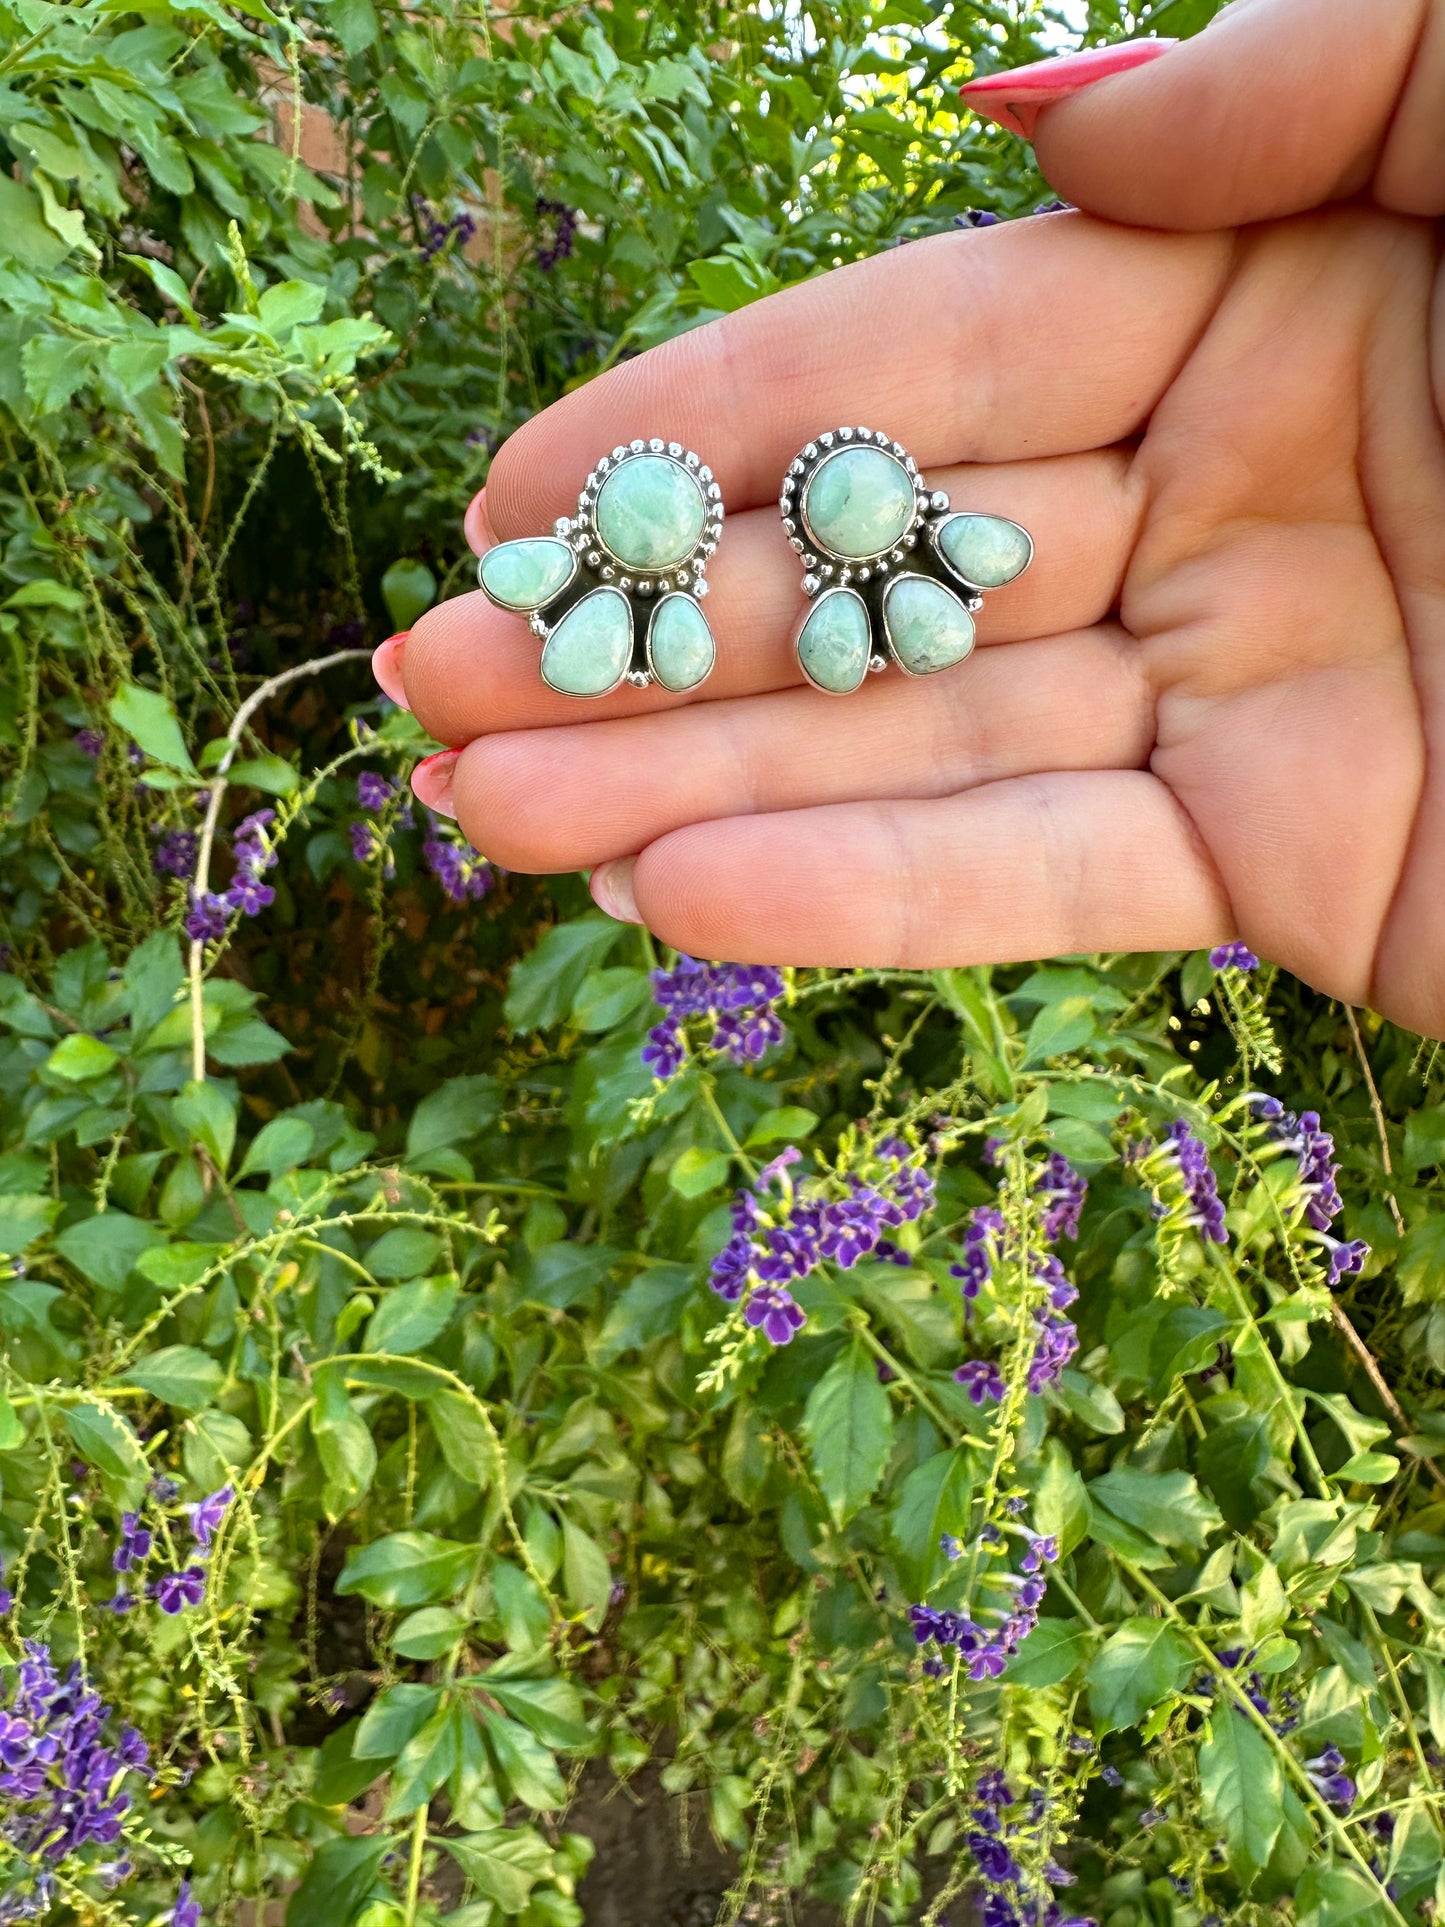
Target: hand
{"type": "Point", "coordinates": [1214, 707]}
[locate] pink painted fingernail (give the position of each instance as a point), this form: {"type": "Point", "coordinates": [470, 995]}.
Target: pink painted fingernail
{"type": "Point", "coordinates": [386, 667]}
{"type": "Point", "coordinates": [611, 887]}
{"type": "Point", "coordinates": [476, 527]}
{"type": "Point", "coordinates": [1016, 98]}
{"type": "Point", "coordinates": [431, 781]}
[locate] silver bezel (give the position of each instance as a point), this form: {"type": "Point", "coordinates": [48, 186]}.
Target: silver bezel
{"type": "Point", "coordinates": [547, 631]}
{"type": "Point", "coordinates": [582, 532]}
{"type": "Point", "coordinates": [873, 662]}
{"type": "Point", "coordinates": [525, 608]}
{"type": "Point", "coordinates": [825, 566]}
{"type": "Point", "coordinates": [652, 615]}
{"type": "Point", "coordinates": [935, 536]}
{"type": "Point", "coordinates": [923, 675]}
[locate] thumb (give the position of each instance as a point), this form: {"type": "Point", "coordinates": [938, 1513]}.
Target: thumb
{"type": "Point", "coordinates": [1278, 106]}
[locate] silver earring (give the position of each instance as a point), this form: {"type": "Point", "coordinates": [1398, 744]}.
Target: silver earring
{"type": "Point", "coordinates": [892, 573]}
{"type": "Point", "coordinates": [614, 592]}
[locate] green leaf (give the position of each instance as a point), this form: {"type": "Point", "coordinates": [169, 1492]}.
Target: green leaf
{"type": "Point", "coordinates": [651, 1307]}
{"type": "Point", "coordinates": [545, 985]}
{"type": "Point", "coordinates": [785, 1125]}
{"type": "Point", "coordinates": [180, 1375]}
{"type": "Point", "coordinates": [79, 1057]}
{"type": "Point", "coordinates": [848, 1425]}
{"type": "Point", "coordinates": [208, 1116]}
{"type": "Point", "coordinates": [148, 719]}
{"type": "Point", "coordinates": [562, 1275]}
{"type": "Point", "coordinates": [1143, 1662]}
{"type": "Point", "coordinates": [528, 1766]}
{"type": "Point", "coordinates": [521, 1607]}
{"type": "Point", "coordinates": [341, 1874]}
{"type": "Point", "coordinates": [1338, 1896]}
{"type": "Point", "coordinates": [273, 774]}
{"type": "Point", "coordinates": [12, 1432]}
{"type": "Point", "coordinates": [429, 1632]}
{"type": "Point", "coordinates": [105, 1440]}
{"type": "Point", "coordinates": [393, 1718]}
{"type": "Point", "coordinates": [403, 1253]}
{"type": "Point", "coordinates": [1057, 1029]}
{"type": "Point", "coordinates": [504, 1863]}
{"type": "Point", "coordinates": [343, 1443]}
{"type": "Point", "coordinates": [698, 1171]}
{"type": "Point", "coordinates": [586, 1575]}
{"type": "Point", "coordinates": [407, 1569]}
{"type": "Point", "coordinates": [288, 304]}
{"type": "Point", "coordinates": [411, 1316]}
{"type": "Point", "coordinates": [408, 589]}
{"type": "Point", "coordinates": [238, 1046]}
{"type": "Point", "coordinates": [934, 1499]}
{"type": "Point", "coordinates": [423, 1763]}
{"type": "Point", "coordinates": [462, 1435]}
{"type": "Point", "coordinates": [609, 997]}
{"type": "Point", "coordinates": [104, 1248]}
{"type": "Point", "coordinates": [23, 1220]}
{"type": "Point", "coordinates": [153, 978]}
{"type": "Point", "coordinates": [278, 1146]}
{"type": "Point", "coordinates": [1242, 1786]}
{"type": "Point", "coordinates": [552, 1708]}
{"type": "Point", "coordinates": [1054, 1649]}
{"type": "Point", "coordinates": [454, 1112]}
{"type": "Point", "coordinates": [1167, 1507]}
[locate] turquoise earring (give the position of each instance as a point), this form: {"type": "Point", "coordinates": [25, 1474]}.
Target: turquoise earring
{"type": "Point", "coordinates": [891, 571]}
{"type": "Point", "coordinates": [614, 593]}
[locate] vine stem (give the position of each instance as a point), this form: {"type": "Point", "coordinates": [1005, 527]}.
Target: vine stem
{"type": "Point", "coordinates": [413, 1872]}
{"type": "Point", "coordinates": [262, 694]}
{"type": "Point", "coordinates": [1310, 1792]}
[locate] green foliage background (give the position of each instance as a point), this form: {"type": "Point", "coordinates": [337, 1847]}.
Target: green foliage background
{"type": "Point", "coordinates": [375, 1213]}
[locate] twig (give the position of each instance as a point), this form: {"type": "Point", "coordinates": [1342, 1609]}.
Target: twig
{"type": "Point", "coordinates": [1379, 1112]}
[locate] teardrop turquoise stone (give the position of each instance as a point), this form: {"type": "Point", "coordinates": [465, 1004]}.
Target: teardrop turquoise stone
{"type": "Point", "coordinates": [987, 550]}
{"type": "Point", "coordinates": [588, 652]}
{"type": "Point", "coordinates": [834, 643]}
{"type": "Point", "coordinates": [927, 624]}
{"type": "Point", "coordinates": [526, 574]}
{"type": "Point", "coordinates": [650, 512]}
{"type": "Point", "coordinates": [858, 502]}
{"type": "Point", "coordinates": [679, 643]}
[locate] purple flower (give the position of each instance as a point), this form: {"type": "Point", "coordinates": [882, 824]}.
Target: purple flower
{"type": "Point", "coordinates": [120, 1602]}
{"type": "Point", "coordinates": [373, 790]}
{"type": "Point", "coordinates": [1233, 956]}
{"type": "Point", "coordinates": [664, 1052]}
{"type": "Point", "coordinates": [1043, 1549]}
{"type": "Point", "coordinates": [174, 1591]}
{"type": "Point", "coordinates": [732, 1268]}
{"type": "Point", "coordinates": [208, 918]}
{"type": "Point", "coordinates": [1346, 1260]}
{"type": "Point", "coordinates": [982, 1243]}
{"type": "Point", "coordinates": [770, 1307]}
{"type": "Point", "coordinates": [739, 999]}
{"type": "Point", "coordinates": [90, 741]}
{"type": "Point", "coordinates": [187, 1911]}
{"type": "Point", "coordinates": [1063, 1190]}
{"type": "Point", "coordinates": [950, 1547]}
{"type": "Point", "coordinates": [1335, 1786]}
{"type": "Point", "coordinates": [981, 1379]}
{"type": "Point", "coordinates": [995, 1862]}
{"type": "Point", "coordinates": [1315, 1150]}
{"type": "Point", "coordinates": [976, 217]}
{"type": "Point", "coordinates": [464, 876]}
{"type": "Point", "coordinates": [1111, 1776]}
{"type": "Point", "coordinates": [1189, 1154]}
{"type": "Point", "coordinates": [164, 1489]}
{"type": "Point", "coordinates": [564, 230]}
{"type": "Point", "coordinates": [206, 1516]}
{"type": "Point", "coordinates": [1055, 1345]}
{"type": "Point", "coordinates": [248, 894]}
{"type": "Point", "coordinates": [363, 842]}
{"type": "Point", "coordinates": [1051, 1275]}
{"type": "Point", "coordinates": [176, 854]}
{"type": "Point", "coordinates": [135, 1543]}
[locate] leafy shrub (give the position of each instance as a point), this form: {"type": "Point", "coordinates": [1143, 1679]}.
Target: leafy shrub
{"type": "Point", "coordinates": [954, 1423]}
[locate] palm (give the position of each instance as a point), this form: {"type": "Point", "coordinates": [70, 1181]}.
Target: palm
{"type": "Point", "coordinates": [1200, 714]}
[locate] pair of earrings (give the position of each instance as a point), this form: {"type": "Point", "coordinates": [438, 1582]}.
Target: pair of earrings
{"type": "Point", "coordinates": [891, 572]}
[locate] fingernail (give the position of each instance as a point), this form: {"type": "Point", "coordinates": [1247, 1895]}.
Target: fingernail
{"type": "Point", "coordinates": [1016, 98]}
{"type": "Point", "coordinates": [476, 527]}
{"type": "Point", "coordinates": [611, 887]}
{"type": "Point", "coordinates": [386, 667]}
{"type": "Point", "coordinates": [431, 781]}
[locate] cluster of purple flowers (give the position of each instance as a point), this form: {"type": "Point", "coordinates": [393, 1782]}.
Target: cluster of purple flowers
{"type": "Point", "coordinates": [61, 1774]}
{"type": "Point", "coordinates": [175, 854]}
{"type": "Point", "coordinates": [253, 855]}
{"type": "Point", "coordinates": [1334, 1785]}
{"type": "Point", "coordinates": [780, 1236]}
{"type": "Point", "coordinates": [1314, 1150]}
{"type": "Point", "coordinates": [1186, 1191]}
{"type": "Point", "coordinates": [90, 742]}
{"type": "Point", "coordinates": [564, 233]}
{"type": "Point", "coordinates": [174, 1591]}
{"type": "Point", "coordinates": [1012, 1897]}
{"type": "Point", "coordinates": [737, 1000]}
{"type": "Point", "coordinates": [1233, 956]}
{"type": "Point", "coordinates": [986, 1651]}
{"type": "Point", "coordinates": [464, 874]}
{"type": "Point", "coordinates": [1061, 1191]}
{"type": "Point", "coordinates": [436, 232]}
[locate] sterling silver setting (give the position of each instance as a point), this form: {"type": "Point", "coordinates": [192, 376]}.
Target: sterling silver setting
{"type": "Point", "coordinates": [596, 567]}
{"type": "Point", "coordinates": [915, 550]}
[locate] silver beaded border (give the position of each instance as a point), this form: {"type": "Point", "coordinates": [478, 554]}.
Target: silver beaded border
{"type": "Point", "coordinates": [824, 569]}
{"type": "Point", "coordinates": [580, 530]}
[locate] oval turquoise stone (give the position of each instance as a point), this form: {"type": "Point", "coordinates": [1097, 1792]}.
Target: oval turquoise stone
{"type": "Point", "coordinates": [834, 644]}
{"type": "Point", "coordinates": [986, 550]}
{"type": "Point", "coordinates": [588, 652]}
{"type": "Point", "coordinates": [858, 502]}
{"type": "Point", "coordinates": [679, 643]}
{"type": "Point", "coordinates": [526, 574]}
{"type": "Point", "coordinates": [927, 624]}
{"type": "Point", "coordinates": [650, 512]}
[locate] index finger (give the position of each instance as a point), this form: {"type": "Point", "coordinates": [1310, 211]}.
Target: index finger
{"type": "Point", "coordinates": [1040, 337]}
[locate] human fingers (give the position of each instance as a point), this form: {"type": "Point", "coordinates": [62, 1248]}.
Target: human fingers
{"type": "Point", "coordinates": [568, 798]}
{"type": "Point", "coordinates": [1026, 339]}
{"type": "Point", "coordinates": [1277, 107]}
{"type": "Point", "coordinates": [1036, 866]}
{"type": "Point", "coordinates": [471, 668]}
